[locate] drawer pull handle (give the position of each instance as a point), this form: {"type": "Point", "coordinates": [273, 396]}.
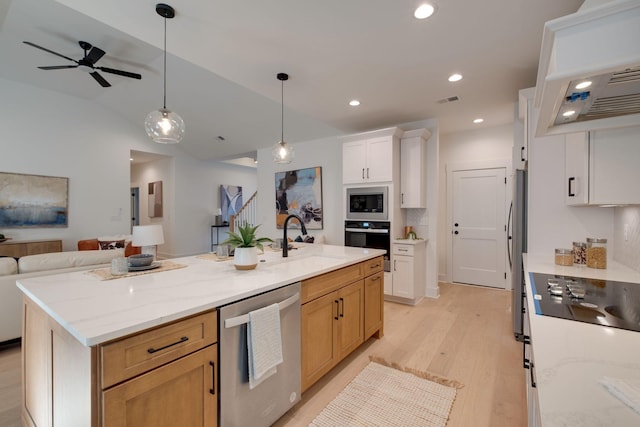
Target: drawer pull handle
{"type": "Point", "coordinates": [374, 266]}
{"type": "Point", "coordinates": [403, 250]}
{"type": "Point", "coordinates": [213, 378]}
{"type": "Point", "coordinates": [153, 350]}
{"type": "Point", "coordinates": [375, 278]}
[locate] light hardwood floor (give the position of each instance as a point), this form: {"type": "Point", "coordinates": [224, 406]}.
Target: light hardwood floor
{"type": "Point", "coordinates": [465, 335]}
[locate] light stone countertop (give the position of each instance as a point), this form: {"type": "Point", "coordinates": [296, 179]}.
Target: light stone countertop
{"type": "Point", "coordinates": [95, 311]}
{"type": "Point", "coordinates": [571, 357]}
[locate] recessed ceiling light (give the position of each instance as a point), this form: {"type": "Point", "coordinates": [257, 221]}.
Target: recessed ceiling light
{"type": "Point", "coordinates": [583, 85]}
{"type": "Point", "coordinates": [478, 120]}
{"type": "Point", "coordinates": [354, 102]}
{"type": "Point", "coordinates": [220, 138]}
{"type": "Point", "coordinates": [455, 77]}
{"type": "Point", "coordinates": [424, 11]}
{"type": "Point", "coordinates": [568, 113]}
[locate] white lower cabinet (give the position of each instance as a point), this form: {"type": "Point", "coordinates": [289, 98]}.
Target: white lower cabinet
{"type": "Point", "coordinates": [533, 412]}
{"type": "Point", "coordinates": [408, 259]}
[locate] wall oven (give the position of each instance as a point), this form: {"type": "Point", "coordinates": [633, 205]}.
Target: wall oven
{"type": "Point", "coordinates": [367, 203]}
{"type": "Point", "coordinates": [369, 234]}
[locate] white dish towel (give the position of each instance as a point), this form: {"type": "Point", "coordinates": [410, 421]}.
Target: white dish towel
{"type": "Point", "coordinates": [264, 343]}
{"type": "Point", "coordinates": [627, 391]}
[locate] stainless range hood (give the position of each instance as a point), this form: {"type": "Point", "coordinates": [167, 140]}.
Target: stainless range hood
{"type": "Point", "coordinates": [600, 45]}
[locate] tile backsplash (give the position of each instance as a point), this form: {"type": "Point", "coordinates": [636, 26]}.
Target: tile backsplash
{"type": "Point", "coordinates": [626, 248]}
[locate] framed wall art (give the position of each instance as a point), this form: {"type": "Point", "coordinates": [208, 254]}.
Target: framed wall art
{"type": "Point", "coordinates": [299, 192]}
{"type": "Point", "coordinates": [230, 200]}
{"type": "Point", "coordinates": [155, 200]}
{"type": "Point", "coordinates": [33, 200]}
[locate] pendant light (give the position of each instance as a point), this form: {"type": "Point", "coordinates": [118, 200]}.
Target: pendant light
{"type": "Point", "coordinates": [165, 126]}
{"type": "Point", "coordinates": [282, 152]}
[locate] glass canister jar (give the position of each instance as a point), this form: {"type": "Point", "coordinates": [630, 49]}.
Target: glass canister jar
{"type": "Point", "coordinates": [564, 257]}
{"type": "Point", "coordinates": [596, 253]}
{"type": "Point", "coordinates": [579, 253]}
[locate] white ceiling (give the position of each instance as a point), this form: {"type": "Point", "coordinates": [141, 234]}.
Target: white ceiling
{"type": "Point", "coordinates": [225, 54]}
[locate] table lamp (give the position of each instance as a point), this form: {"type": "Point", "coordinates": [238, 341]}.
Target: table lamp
{"type": "Point", "coordinates": [148, 237]}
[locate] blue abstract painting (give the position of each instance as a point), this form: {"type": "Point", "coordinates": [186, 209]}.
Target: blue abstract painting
{"type": "Point", "coordinates": [299, 192]}
{"type": "Point", "coordinates": [33, 200]}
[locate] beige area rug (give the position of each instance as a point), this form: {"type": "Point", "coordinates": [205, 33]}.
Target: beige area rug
{"type": "Point", "coordinates": [382, 395]}
{"type": "Point", "coordinates": [105, 273]}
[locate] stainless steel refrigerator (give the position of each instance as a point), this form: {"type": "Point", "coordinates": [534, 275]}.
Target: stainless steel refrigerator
{"type": "Point", "coordinates": [517, 237]}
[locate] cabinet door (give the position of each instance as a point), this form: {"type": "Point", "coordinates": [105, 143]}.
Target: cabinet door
{"type": "Point", "coordinates": [350, 323]}
{"type": "Point", "coordinates": [181, 393]}
{"type": "Point", "coordinates": [412, 194]}
{"type": "Point", "coordinates": [354, 162]}
{"type": "Point", "coordinates": [576, 185]}
{"type": "Point", "coordinates": [319, 328]}
{"type": "Point", "coordinates": [379, 159]}
{"type": "Point", "coordinates": [403, 276]}
{"type": "Point", "coordinates": [373, 304]}
{"type": "Point", "coordinates": [613, 166]}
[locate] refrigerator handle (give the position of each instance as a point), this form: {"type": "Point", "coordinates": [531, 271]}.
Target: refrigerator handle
{"type": "Point", "coordinates": [509, 237]}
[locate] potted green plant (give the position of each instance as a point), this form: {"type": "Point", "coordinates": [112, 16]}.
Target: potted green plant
{"type": "Point", "coordinates": [246, 246]}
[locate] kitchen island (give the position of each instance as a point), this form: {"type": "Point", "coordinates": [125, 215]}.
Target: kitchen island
{"type": "Point", "coordinates": [569, 358]}
{"type": "Point", "coordinates": [84, 337]}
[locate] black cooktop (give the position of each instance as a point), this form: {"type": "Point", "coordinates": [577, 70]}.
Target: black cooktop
{"type": "Point", "coordinates": [601, 302]}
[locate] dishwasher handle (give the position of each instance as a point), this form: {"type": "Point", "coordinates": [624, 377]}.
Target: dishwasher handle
{"type": "Point", "coordinates": [241, 320]}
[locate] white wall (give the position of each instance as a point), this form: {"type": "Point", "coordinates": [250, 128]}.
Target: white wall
{"type": "Point", "coordinates": [481, 147]}
{"type": "Point", "coordinates": [626, 245]}
{"type": "Point", "coordinates": [326, 153]}
{"type": "Point", "coordinates": [47, 133]}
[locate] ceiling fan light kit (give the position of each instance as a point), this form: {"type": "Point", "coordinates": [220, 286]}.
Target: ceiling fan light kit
{"type": "Point", "coordinates": [282, 152]}
{"type": "Point", "coordinates": [163, 125]}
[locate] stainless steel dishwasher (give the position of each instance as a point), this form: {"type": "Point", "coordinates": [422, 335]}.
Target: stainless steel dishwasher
{"type": "Point", "coordinates": [262, 406]}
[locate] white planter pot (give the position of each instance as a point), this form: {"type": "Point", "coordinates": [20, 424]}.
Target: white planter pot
{"type": "Point", "coordinates": [245, 258]}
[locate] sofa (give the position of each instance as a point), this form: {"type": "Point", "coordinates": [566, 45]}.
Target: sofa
{"type": "Point", "coordinates": [110, 242]}
{"type": "Point", "coordinates": [40, 265]}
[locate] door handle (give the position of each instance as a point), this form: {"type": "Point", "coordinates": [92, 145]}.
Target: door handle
{"type": "Point", "coordinates": [571, 179]}
{"type": "Point", "coordinates": [367, 173]}
{"type": "Point", "coordinates": [456, 232]}
{"type": "Point", "coordinates": [337, 309]}
{"type": "Point", "coordinates": [362, 173]}
{"type": "Point", "coordinates": [522, 154]}
{"type": "Point", "coordinates": [342, 311]}
{"type": "Point", "coordinates": [212, 390]}
{"type": "Point", "coordinates": [455, 225]}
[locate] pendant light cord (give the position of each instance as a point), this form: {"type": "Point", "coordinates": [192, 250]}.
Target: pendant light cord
{"type": "Point", "coordinates": [164, 98]}
{"type": "Point", "coordinates": [282, 111]}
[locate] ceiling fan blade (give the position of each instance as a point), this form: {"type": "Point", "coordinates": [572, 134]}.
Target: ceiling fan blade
{"type": "Point", "coordinates": [94, 55]}
{"type": "Point", "coordinates": [50, 51]}
{"type": "Point", "coordinates": [100, 79]}
{"type": "Point", "coordinates": [58, 67]}
{"type": "Point", "coordinates": [120, 72]}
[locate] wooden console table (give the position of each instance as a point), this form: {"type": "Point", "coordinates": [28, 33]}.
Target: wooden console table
{"type": "Point", "coordinates": [19, 248]}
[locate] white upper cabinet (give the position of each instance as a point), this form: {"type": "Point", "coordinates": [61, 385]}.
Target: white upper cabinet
{"type": "Point", "coordinates": [525, 127]}
{"type": "Point", "coordinates": [413, 148]}
{"type": "Point", "coordinates": [369, 157]}
{"type": "Point", "coordinates": [602, 167]}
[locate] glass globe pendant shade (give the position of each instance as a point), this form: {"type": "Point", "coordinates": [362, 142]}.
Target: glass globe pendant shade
{"type": "Point", "coordinates": [164, 126]}
{"type": "Point", "coordinates": [283, 152]}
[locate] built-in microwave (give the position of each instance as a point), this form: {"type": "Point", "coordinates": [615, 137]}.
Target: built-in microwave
{"type": "Point", "coordinates": [367, 203]}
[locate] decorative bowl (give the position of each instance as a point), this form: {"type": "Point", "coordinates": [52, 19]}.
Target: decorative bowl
{"type": "Point", "coordinates": [140, 260]}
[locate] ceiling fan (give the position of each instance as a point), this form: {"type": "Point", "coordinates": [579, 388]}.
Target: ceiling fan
{"type": "Point", "coordinates": [91, 55]}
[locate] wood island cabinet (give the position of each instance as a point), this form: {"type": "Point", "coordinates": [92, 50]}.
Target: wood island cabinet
{"type": "Point", "coordinates": [340, 309]}
{"type": "Point", "coordinates": [164, 376]}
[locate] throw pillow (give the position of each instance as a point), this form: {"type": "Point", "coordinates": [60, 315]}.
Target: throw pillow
{"type": "Point", "coordinates": [110, 244]}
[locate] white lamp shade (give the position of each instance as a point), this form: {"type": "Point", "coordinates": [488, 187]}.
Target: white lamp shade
{"type": "Point", "coordinates": [164, 126]}
{"type": "Point", "coordinates": [147, 235]}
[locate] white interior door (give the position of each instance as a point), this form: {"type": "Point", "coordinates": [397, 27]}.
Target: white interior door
{"type": "Point", "coordinates": [479, 227]}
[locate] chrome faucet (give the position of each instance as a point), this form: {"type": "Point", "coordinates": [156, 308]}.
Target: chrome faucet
{"type": "Point", "coordinates": [285, 242]}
